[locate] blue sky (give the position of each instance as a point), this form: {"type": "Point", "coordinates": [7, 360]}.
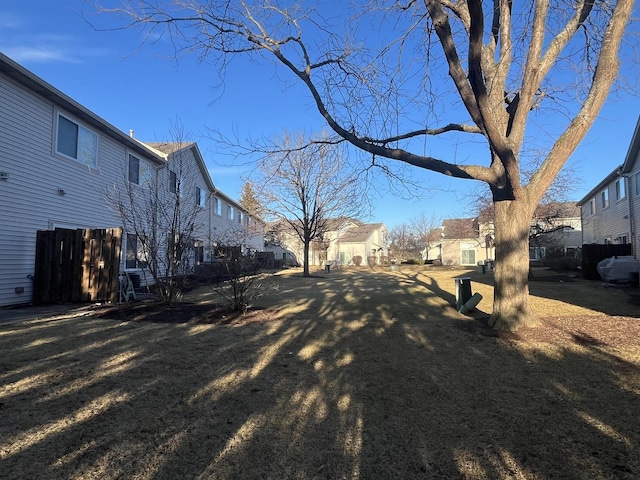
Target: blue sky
{"type": "Point", "coordinates": [142, 89]}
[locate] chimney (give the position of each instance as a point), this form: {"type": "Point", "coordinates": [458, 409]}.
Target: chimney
{"type": "Point", "coordinates": [131, 133]}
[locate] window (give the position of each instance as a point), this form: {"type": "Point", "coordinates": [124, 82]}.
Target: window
{"type": "Point", "coordinates": [636, 181]}
{"type": "Point", "coordinates": [76, 142]}
{"type": "Point", "coordinates": [173, 182]}
{"type": "Point", "coordinates": [230, 213]}
{"type": "Point", "coordinates": [135, 255]}
{"type": "Point", "coordinates": [537, 253]}
{"type": "Point", "coordinates": [240, 217]}
{"type": "Point", "coordinates": [217, 206]}
{"type": "Point", "coordinates": [200, 198]}
{"type": "Point", "coordinates": [467, 254]}
{"type": "Point", "coordinates": [604, 196]}
{"type": "Point", "coordinates": [198, 249]}
{"type": "Point", "coordinates": [139, 171]}
{"type": "Point", "coordinates": [592, 206]}
{"type": "Point", "coordinates": [622, 239]}
{"type": "Point", "coordinates": [175, 249]}
{"type": "Point", "coordinates": [620, 189]}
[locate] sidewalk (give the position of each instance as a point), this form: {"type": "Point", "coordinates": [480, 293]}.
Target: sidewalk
{"type": "Point", "coordinates": [30, 312]}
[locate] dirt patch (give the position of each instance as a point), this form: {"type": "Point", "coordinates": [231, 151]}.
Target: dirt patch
{"type": "Point", "coordinates": [360, 374]}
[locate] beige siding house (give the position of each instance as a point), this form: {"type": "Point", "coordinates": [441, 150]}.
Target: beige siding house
{"type": "Point", "coordinates": [344, 240]}
{"type": "Point", "coordinates": [469, 241]}
{"type": "Point", "coordinates": [368, 241]}
{"type": "Point", "coordinates": [461, 243]}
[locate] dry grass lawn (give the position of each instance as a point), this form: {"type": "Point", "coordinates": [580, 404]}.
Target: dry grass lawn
{"type": "Point", "coordinates": [357, 374]}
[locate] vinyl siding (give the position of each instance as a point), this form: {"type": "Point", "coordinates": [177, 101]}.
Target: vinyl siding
{"type": "Point", "coordinates": [635, 203]}
{"type": "Point", "coordinates": [607, 223]}
{"type": "Point", "coordinates": [29, 197]}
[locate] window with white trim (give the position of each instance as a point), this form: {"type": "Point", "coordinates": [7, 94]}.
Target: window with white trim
{"type": "Point", "coordinates": [467, 253]}
{"type": "Point", "coordinates": [217, 206]}
{"type": "Point", "coordinates": [537, 253]}
{"type": "Point", "coordinates": [622, 239]}
{"type": "Point", "coordinates": [592, 206]}
{"type": "Point", "coordinates": [621, 191]}
{"type": "Point", "coordinates": [604, 198]}
{"type": "Point", "coordinates": [230, 212]}
{"type": "Point", "coordinates": [200, 197]}
{"type": "Point", "coordinates": [139, 171]}
{"type": "Point", "coordinates": [76, 142]}
{"type": "Point", "coordinates": [173, 182]}
{"type": "Point", "coordinates": [636, 182]}
{"type": "Point", "coordinates": [136, 256]}
{"type": "Point", "coordinates": [198, 251]}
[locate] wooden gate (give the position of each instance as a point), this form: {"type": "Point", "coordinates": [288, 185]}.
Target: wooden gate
{"type": "Point", "coordinates": [77, 265]}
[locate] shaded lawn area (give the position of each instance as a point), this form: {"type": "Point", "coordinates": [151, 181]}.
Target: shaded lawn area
{"type": "Point", "coordinates": [358, 374]}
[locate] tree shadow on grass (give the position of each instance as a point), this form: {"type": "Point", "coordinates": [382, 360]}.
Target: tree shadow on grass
{"type": "Point", "coordinates": [589, 294]}
{"type": "Point", "coordinates": [361, 375]}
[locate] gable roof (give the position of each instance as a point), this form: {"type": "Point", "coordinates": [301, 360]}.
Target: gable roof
{"type": "Point", "coordinates": [460, 228]}
{"type": "Point", "coordinates": [360, 233]}
{"type": "Point", "coordinates": [27, 79]}
{"type": "Point", "coordinates": [172, 148]}
{"type": "Point", "coordinates": [557, 210]}
{"type": "Point", "coordinates": [607, 180]}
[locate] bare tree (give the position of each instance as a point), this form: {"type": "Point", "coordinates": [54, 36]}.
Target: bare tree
{"type": "Point", "coordinates": [306, 188]}
{"type": "Point", "coordinates": [405, 245]}
{"type": "Point", "coordinates": [426, 229]}
{"type": "Point", "coordinates": [234, 277]}
{"type": "Point", "coordinates": [508, 63]}
{"type": "Point", "coordinates": [160, 214]}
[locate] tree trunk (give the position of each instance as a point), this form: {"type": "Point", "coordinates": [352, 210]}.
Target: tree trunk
{"type": "Point", "coordinates": [511, 295]}
{"type": "Point", "coordinates": [305, 259]}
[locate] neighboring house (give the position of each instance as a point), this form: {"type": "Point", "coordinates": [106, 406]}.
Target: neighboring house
{"type": "Point", "coordinates": [342, 240]}
{"type": "Point", "coordinates": [368, 241]}
{"type": "Point", "coordinates": [460, 243]}
{"type": "Point", "coordinates": [220, 219]}
{"type": "Point", "coordinates": [469, 241]}
{"type": "Point", "coordinates": [611, 210]}
{"type": "Point", "coordinates": [556, 229]}
{"type": "Point", "coordinates": [58, 161]}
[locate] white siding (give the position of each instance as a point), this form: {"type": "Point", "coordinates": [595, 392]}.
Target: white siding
{"type": "Point", "coordinates": [633, 194]}
{"type": "Point", "coordinates": [607, 223]}
{"type": "Point", "coordinates": [29, 197]}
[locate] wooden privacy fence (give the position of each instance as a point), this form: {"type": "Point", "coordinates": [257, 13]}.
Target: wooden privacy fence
{"type": "Point", "coordinates": [77, 265]}
{"type": "Point", "coordinates": [593, 253]}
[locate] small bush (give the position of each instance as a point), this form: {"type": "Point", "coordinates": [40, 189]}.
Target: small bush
{"type": "Point", "coordinates": [562, 264]}
{"type": "Point", "coordinates": [412, 261]}
{"type": "Point", "coordinates": [357, 260]}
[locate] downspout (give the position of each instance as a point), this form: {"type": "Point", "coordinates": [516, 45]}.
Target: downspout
{"type": "Point", "coordinates": [209, 222]}
{"type": "Point", "coordinates": [632, 233]}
